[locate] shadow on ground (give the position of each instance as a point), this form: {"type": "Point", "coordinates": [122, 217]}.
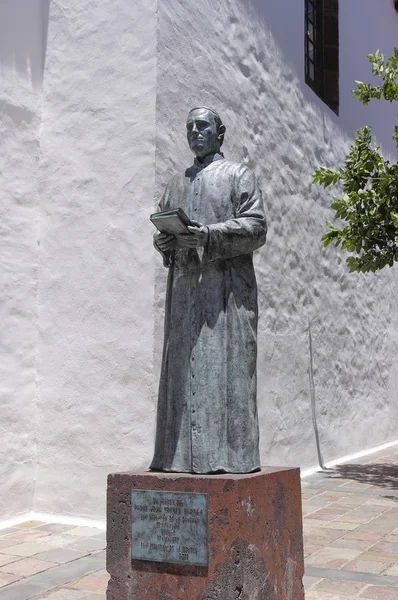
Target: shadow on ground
{"type": "Point", "coordinates": [383, 475]}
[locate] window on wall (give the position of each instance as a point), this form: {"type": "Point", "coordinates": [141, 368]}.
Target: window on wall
{"type": "Point", "coordinates": [322, 50]}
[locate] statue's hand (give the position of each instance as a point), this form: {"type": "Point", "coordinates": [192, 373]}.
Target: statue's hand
{"type": "Point", "coordinates": [196, 238]}
{"type": "Point", "coordinates": [164, 241]}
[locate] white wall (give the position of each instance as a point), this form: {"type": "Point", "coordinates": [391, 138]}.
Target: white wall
{"type": "Point", "coordinates": [247, 61]}
{"type": "Point", "coordinates": [95, 402]}
{"type": "Point", "coordinates": [81, 170]}
{"type": "Point", "coordinates": [22, 44]}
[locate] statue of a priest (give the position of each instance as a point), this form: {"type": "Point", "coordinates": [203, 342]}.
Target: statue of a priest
{"type": "Point", "coordinates": [207, 410]}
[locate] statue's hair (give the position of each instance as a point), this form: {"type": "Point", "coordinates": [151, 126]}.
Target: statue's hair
{"type": "Point", "coordinates": [217, 119]}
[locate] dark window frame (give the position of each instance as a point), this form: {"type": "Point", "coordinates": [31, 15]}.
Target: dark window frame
{"type": "Point", "coordinates": [321, 47]}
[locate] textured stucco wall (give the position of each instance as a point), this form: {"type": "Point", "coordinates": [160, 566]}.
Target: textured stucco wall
{"type": "Point", "coordinates": [82, 168]}
{"type": "Point", "coordinates": [246, 60]}
{"type": "Point", "coordinates": [95, 401]}
{"type": "Point", "coordinates": [22, 44]}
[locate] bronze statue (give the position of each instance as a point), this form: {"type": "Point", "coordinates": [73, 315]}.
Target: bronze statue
{"type": "Point", "coordinates": [207, 410]}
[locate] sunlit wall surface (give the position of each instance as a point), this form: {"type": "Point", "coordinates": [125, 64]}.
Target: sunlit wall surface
{"type": "Point", "coordinates": [94, 97]}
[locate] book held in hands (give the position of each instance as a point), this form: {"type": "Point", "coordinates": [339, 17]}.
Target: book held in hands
{"type": "Point", "coordinates": [173, 221]}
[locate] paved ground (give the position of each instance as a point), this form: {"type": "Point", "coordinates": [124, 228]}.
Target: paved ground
{"type": "Point", "coordinates": [350, 532]}
{"type": "Point", "coordinates": [49, 560]}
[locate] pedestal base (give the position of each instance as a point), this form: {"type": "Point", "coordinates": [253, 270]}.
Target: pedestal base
{"type": "Point", "coordinates": [255, 543]}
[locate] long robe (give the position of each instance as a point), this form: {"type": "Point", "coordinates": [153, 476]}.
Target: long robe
{"type": "Point", "coordinates": [207, 408]}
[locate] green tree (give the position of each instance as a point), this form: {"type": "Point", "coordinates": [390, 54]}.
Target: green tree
{"type": "Point", "coordinates": [367, 210]}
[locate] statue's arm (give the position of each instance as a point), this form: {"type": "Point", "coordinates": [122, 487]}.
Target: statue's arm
{"type": "Point", "coordinates": [248, 229]}
{"type": "Point", "coordinates": [164, 243]}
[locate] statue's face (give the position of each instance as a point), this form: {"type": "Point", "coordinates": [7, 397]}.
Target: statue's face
{"type": "Point", "coordinates": [202, 133]}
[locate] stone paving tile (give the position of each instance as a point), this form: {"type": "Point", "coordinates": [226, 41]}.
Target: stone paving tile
{"type": "Point", "coordinates": [391, 538]}
{"type": "Point", "coordinates": [355, 576]}
{"type": "Point", "coordinates": [381, 502]}
{"type": "Point", "coordinates": [61, 555]}
{"type": "Point", "coordinates": [383, 546]}
{"type": "Point", "coordinates": [380, 593]}
{"type": "Point", "coordinates": [355, 484]}
{"type": "Point", "coordinates": [316, 543]}
{"type": "Point", "coordinates": [59, 540]}
{"type": "Point", "coordinates": [84, 531]}
{"type": "Point", "coordinates": [27, 567]}
{"type": "Point", "coordinates": [342, 588]}
{"type": "Point", "coordinates": [354, 518]}
{"type": "Point", "coordinates": [7, 578]}
{"type": "Point", "coordinates": [350, 503]}
{"type": "Point", "coordinates": [28, 524]}
{"type": "Point", "coordinates": [332, 496]}
{"type": "Point", "coordinates": [376, 505]}
{"type": "Point", "coordinates": [30, 535]}
{"type": "Point", "coordinates": [27, 549]}
{"type": "Point", "coordinates": [88, 544]}
{"type": "Point", "coordinates": [102, 573]}
{"type": "Point", "coordinates": [308, 509]}
{"type": "Point", "coordinates": [5, 559]}
{"type": "Point", "coordinates": [310, 549]}
{"type": "Point", "coordinates": [378, 525]}
{"type": "Point", "coordinates": [53, 579]}
{"type": "Point", "coordinates": [332, 557]}
{"type": "Point", "coordinates": [326, 533]}
{"type": "Point", "coordinates": [354, 499]}
{"type": "Point", "coordinates": [319, 500]}
{"type": "Point", "coordinates": [24, 535]}
{"type": "Point", "coordinates": [309, 524]}
{"type": "Point", "coordinates": [92, 583]}
{"type": "Point", "coordinates": [373, 511]}
{"type": "Point", "coordinates": [384, 557]}
{"type": "Point", "coordinates": [64, 594]}
{"type": "Point", "coordinates": [364, 536]}
{"type": "Point", "coordinates": [343, 525]}
{"type": "Point", "coordinates": [54, 527]}
{"type": "Point", "coordinates": [323, 515]}
{"type": "Point", "coordinates": [309, 581]}
{"type": "Point", "coordinates": [368, 566]}
{"type": "Point", "coordinates": [7, 531]}
{"type": "Point", "coordinates": [314, 595]}
{"type": "Point", "coordinates": [355, 544]}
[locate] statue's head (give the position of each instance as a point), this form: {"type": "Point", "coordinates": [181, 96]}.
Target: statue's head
{"type": "Point", "coordinates": [205, 131]}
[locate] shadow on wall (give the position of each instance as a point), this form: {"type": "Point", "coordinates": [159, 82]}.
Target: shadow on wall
{"type": "Point", "coordinates": [23, 38]}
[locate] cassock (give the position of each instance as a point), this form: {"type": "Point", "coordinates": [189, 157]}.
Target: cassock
{"type": "Point", "coordinates": [207, 408]}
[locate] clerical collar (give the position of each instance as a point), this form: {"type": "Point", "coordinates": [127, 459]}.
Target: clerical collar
{"type": "Point", "coordinates": [208, 159]}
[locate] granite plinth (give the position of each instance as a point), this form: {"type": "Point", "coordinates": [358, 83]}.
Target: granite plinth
{"type": "Point", "coordinates": [255, 543]}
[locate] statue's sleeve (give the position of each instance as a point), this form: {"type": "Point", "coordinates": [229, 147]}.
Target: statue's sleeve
{"type": "Point", "coordinates": [162, 205]}
{"type": "Point", "coordinates": [248, 229]}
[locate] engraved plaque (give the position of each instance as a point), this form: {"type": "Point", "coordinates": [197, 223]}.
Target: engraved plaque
{"type": "Point", "coordinates": [169, 527]}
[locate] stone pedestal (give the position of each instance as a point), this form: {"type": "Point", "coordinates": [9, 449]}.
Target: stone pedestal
{"type": "Point", "coordinates": [253, 529]}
